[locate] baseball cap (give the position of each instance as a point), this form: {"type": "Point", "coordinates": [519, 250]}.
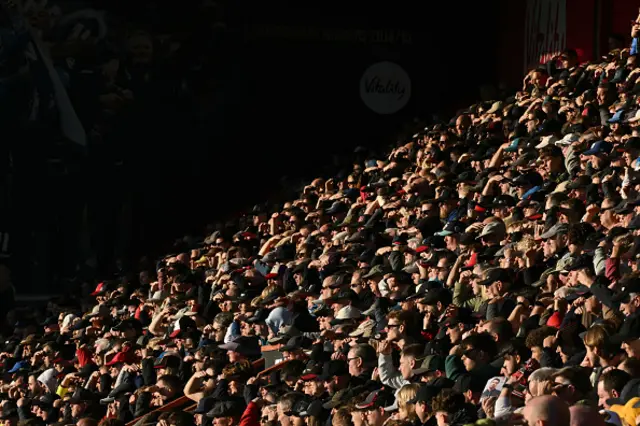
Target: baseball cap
{"type": "Point", "coordinates": [436, 295]}
{"type": "Point", "coordinates": [629, 285]}
{"type": "Point", "coordinates": [557, 229]}
{"type": "Point", "coordinates": [426, 393]}
{"type": "Point", "coordinates": [295, 343]}
{"type": "Point", "coordinates": [579, 182]}
{"type": "Point", "coordinates": [334, 368]}
{"type": "Point", "coordinates": [599, 147]}
{"type": "Point", "coordinates": [377, 270]}
{"type": "Point", "coordinates": [617, 117]}
{"type": "Point", "coordinates": [204, 405]}
{"type": "Point", "coordinates": [450, 228]}
{"type": "Point", "coordinates": [101, 288]}
{"type": "Point", "coordinates": [81, 395]}
{"type": "Point", "coordinates": [496, 274]}
{"type": "Point", "coordinates": [19, 366]}
{"type": "Point", "coordinates": [429, 364]}
{"type": "Point", "coordinates": [231, 408]}
{"type": "Point", "coordinates": [632, 144]}
{"type": "Point", "coordinates": [514, 145]}
{"type": "Point", "coordinates": [376, 399]}
{"type": "Point", "coordinates": [245, 345]}
{"type": "Point", "coordinates": [546, 141]}
{"type": "Point", "coordinates": [630, 330]}
{"type": "Point", "coordinates": [528, 179]}
{"type": "Point", "coordinates": [493, 228]}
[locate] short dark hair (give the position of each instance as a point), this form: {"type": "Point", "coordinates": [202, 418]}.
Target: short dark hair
{"type": "Point", "coordinates": [631, 366]}
{"type": "Point", "coordinates": [614, 380]}
{"type": "Point", "coordinates": [287, 400]}
{"type": "Point", "coordinates": [516, 347]}
{"type": "Point", "coordinates": [578, 377]}
{"type": "Point", "coordinates": [415, 350]}
{"type": "Point", "coordinates": [292, 370]}
{"type": "Point", "coordinates": [173, 382]}
{"type": "Point", "coordinates": [502, 327]}
{"type": "Point", "coordinates": [536, 337]}
{"type": "Point", "coordinates": [448, 400]}
{"type": "Point", "coordinates": [366, 352]}
{"type": "Point", "coordinates": [483, 342]}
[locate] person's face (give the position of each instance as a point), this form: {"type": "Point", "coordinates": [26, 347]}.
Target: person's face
{"type": "Point", "coordinates": [33, 385]}
{"type": "Point", "coordinates": [442, 418]}
{"type": "Point", "coordinates": [495, 289]}
{"type": "Point", "coordinates": [234, 356]}
{"type": "Point", "coordinates": [393, 330]}
{"type": "Point", "coordinates": [632, 348]}
{"type": "Point", "coordinates": [630, 306]}
{"type": "Point", "coordinates": [282, 418]}
{"type": "Point", "coordinates": [354, 363]}
{"type": "Point", "coordinates": [198, 419]}
{"type": "Point", "coordinates": [603, 396]}
{"type": "Point", "coordinates": [358, 418]}
{"type": "Point", "coordinates": [297, 421]}
{"type": "Point", "coordinates": [536, 353]}
{"type": "Point", "coordinates": [446, 208]}
{"type": "Point", "coordinates": [406, 365]}
{"type": "Point", "coordinates": [246, 329]}
{"type": "Point", "coordinates": [218, 332]}
{"type": "Point", "coordinates": [455, 333]}
{"type": "Point", "coordinates": [223, 421]}
{"type": "Point", "coordinates": [469, 360]}
{"type": "Point", "coordinates": [532, 125]}
{"type": "Point", "coordinates": [260, 329]}
{"type": "Point", "coordinates": [41, 413]}
{"type": "Point", "coordinates": [374, 417]}
{"type": "Point", "coordinates": [313, 388]}
{"type": "Point", "coordinates": [141, 49]}
{"type": "Point", "coordinates": [509, 366]}
{"type": "Point", "coordinates": [549, 247]}
{"type": "Point", "coordinates": [77, 410]}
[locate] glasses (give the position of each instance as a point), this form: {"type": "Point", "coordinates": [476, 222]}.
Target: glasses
{"type": "Point", "coordinates": [393, 325]}
{"type": "Point", "coordinates": [351, 359]}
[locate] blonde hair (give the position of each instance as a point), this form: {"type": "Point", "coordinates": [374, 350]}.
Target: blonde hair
{"type": "Point", "coordinates": [405, 394]}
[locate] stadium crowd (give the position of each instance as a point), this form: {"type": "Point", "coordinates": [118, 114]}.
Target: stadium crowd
{"type": "Point", "coordinates": [485, 271]}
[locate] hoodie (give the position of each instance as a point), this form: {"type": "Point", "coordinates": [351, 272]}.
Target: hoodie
{"type": "Point", "coordinates": [49, 378]}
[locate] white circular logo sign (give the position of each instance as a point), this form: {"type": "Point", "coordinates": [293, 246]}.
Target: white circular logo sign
{"type": "Point", "coordinates": [385, 87]}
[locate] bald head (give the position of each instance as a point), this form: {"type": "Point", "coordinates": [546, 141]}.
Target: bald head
{"type": "Point", "coordinates": [583, 415]}
{"type": "Point", "coordinates": [547, 410]}
{"type": "Point", "coordinates": [87, 422]}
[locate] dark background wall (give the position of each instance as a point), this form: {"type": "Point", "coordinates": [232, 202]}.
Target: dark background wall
{"type": "Point", "coordinates": [281, 99]}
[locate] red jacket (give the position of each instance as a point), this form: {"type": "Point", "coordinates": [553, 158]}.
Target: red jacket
{"type": "Point", "coordinates": [251, 415]}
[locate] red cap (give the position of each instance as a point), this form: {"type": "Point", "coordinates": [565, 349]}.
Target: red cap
{"type": "Point", "coordinates": [420, 249]}
{"type": "Point", "coordinates": [555, 320]}
{"type": "Point", "coordinates": [125, 356]}
{"type": "Point", "coordinates": [99, 289]}
{"type": "Point", "coordinates": [308, 377]}
{"type": "Point", "coordinates": [472, 260]}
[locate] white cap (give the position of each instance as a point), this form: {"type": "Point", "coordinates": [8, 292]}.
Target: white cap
{"type": "Point", "coordinates": [546, 141]}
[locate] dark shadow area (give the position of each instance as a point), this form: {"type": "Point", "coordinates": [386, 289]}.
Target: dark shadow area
{"type": "Point", "coordinates": [194, 112]}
